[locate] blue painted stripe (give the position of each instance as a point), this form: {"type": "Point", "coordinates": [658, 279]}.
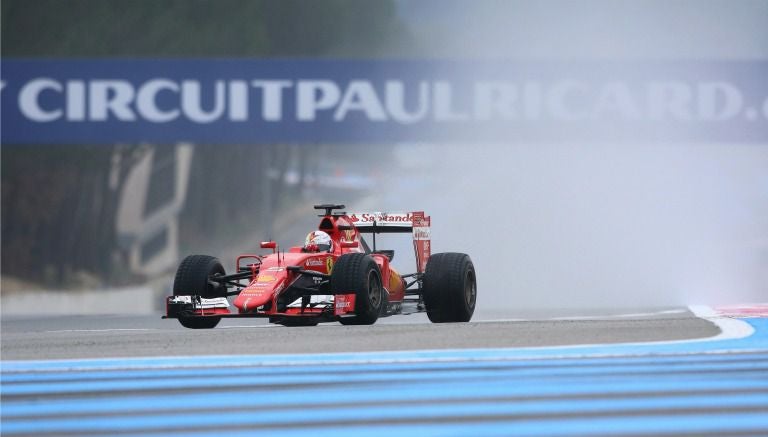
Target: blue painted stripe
{"type": "Point", "coordinates": [392, 392]}
{"type": "Point", "coordinates": [435, 412]}
{"type": "Point", "coordinates": [299, 372]}
{"type": "Point", "coordinates": [666, 361]}
{"type": "Point", "coordinates": [748, 370]}
{"type": "Point", "coordinates": [615, 426]}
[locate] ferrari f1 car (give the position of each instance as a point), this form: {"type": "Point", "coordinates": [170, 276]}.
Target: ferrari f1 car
{"type": "Point", "coordinates": [343, 279]}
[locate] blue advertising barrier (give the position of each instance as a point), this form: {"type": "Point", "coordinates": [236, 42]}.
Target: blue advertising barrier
{"type": "Point", "coordinates": [252, 101]}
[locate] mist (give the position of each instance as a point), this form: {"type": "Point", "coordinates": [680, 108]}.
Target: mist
{"type": "Point", "coordinates": [594, 226]}
{"type": "Point", "coordinates": [590, 224]}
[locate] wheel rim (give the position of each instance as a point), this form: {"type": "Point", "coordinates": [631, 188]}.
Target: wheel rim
{"type": "Point", "coordinates": [470, 290]}
{"type": "Point", "coordinates": [374, 290]}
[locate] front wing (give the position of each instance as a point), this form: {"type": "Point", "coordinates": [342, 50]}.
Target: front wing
{"type": "Point", "coordinates": [343, 305]}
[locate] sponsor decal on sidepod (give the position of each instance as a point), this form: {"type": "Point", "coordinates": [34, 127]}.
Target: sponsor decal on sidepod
{"type": "Point", "coordinates": [314, 262]}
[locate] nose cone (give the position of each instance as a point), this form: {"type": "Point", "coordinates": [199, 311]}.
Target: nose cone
{"type": "Point", "coordinates": [259, 291]}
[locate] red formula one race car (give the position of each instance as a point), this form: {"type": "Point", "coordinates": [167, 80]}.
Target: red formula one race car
{"type": "Point", "coordinates": [335, 276]}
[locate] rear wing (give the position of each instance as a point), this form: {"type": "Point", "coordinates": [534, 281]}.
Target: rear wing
{"type": "Point", "coordinates": [415, 223]}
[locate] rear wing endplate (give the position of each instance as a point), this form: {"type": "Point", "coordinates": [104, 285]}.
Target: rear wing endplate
{"type": "Point", "coordinates": [415, 223]}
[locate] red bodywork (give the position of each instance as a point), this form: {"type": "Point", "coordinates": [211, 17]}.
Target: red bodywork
{"type": "Point", "coordinates": [272, 276]}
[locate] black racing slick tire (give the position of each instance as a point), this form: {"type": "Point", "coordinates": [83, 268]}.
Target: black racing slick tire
{"type": "Point", "coordinates": [449, 286]}
{"type": "Point", "coordinates": [359, 273]}
{"type": "Point", "coordinates": [192, 280]}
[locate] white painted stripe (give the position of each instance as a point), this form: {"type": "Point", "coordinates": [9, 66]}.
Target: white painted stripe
{"type": "Point", "coordinates": [503, 320]}
{"type": "Point", "coordinates": [730, 328]}
{"type": "Point", "coordinates": [254, 360]}
{"type": "Point", "coordinates": [596, 317]}
{"type": "Point", "coordinates": [270, 325]}
{"type": "Point", "coordinates": [621, 316]}
{"type": "Point", "coordinates": [703, 311]}
{"type": "Point", "coordinates": [105, 330]}
{"type": "Point", "coordinates": [461, 355]}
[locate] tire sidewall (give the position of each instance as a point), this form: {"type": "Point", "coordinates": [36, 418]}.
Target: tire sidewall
{"type": "Point", "coordinates": [192, 279]}
{"type": "Point", "coordinates": [192, 276]}
{"type": "Point", "coordinates": [444, 286]}
{"type": "Point", "coordinates": [356, 272]}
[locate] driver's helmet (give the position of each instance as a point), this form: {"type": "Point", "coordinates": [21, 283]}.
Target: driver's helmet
{"type": "Point", "coordinates": [318, 241]}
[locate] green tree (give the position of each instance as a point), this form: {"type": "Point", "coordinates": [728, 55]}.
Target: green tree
{"type": "Point", "coordinates": [183, 28]}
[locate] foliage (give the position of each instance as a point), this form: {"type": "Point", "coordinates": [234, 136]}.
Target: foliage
{"type": "Point", "coordinates": [189, 28]}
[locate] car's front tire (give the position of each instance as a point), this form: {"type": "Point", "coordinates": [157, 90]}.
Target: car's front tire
{"type": "Point", "coordinates": [192, 280]}
{"type": "Point", "coordinates": [358, 273]}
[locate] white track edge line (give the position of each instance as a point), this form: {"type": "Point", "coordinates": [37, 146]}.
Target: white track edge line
{"type": "Point", "coordinates": [730, 328]}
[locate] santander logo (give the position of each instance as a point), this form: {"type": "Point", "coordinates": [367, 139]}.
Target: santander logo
{"type": "Point", "coordinates": [381, 217]}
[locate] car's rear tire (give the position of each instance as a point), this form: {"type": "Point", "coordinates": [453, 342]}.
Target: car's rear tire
{"type": "Point", "coordinates": [192, 280]}
{"type": "Point", "coordinates": [449, 286]}
{"type": "Point", "coordinates": [359, 273]}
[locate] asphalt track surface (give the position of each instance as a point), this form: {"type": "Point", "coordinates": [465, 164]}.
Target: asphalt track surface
{"type": "Point", "coordinates": [662, 372]}
{"type": "Point", "coordinates": [131, 336]}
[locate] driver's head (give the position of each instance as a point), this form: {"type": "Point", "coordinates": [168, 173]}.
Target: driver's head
{"type": "Point", "coordinates": [318, 241]}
